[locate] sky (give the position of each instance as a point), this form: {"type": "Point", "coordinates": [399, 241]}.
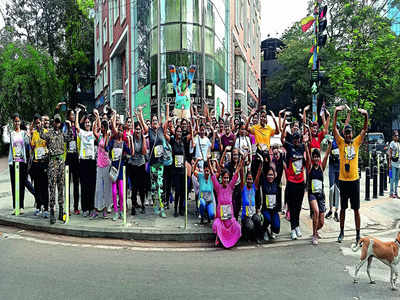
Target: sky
{"type": "Point", "coordinates": [278, 15]}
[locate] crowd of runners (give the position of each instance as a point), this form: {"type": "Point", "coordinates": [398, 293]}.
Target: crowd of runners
{"type": "Point", "coordinates": [229, 163]}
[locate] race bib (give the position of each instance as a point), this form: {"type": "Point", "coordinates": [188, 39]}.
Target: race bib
{"type": "Point", "coordinates": [250, 210]}
{"type": "Point", "coordinates": [335, 152]}
{"type": "Point", "coordinates": [226, 212]}
{"type": "Point", "coordinates": [270, 201]}
{"type": "Point", "coordinates": [316, 186]}
{"type": "Point", "coordinates": [116, 153]}
{"type": "Point", "coordinates": [40, 152]}
{"type": "Point", "coordinates": [72, 146]}
{"type": "Point", "coordinates": [297, 166]}
{"type": "Point", "coordinates": [350, 152]}
{"type": "Point", "coordinates": [88, 152]}
{"type": "Point", "coordinates": [206, 196]}
{"type": "Point", "coordinates": [179, 161]}
{"type": "Point", "coordinates": [18, 152]}
{"type": "Point", "coordinates": [158, 151]}
{"type": "Point", "coordinates": [215, 155]}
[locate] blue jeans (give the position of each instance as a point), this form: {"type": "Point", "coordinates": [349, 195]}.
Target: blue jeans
{"type": "Point", "coordinates": [334, 193]}
{"type": "Point", "coordinates": [208, 206]}
{"type": "Point", "coordinates": [395, 180]}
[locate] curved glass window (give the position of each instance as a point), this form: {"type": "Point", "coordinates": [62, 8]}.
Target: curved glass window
{"type": "Point", "coordinates": [170, 37]}
{"type": "Point", "coordinates": [219, 28]}
{"type": "Point", "coordinates": [191, 37]}
{"type": "Point", "coordinates": [209, 41]}
{"type": "Point", "coordinates": [154, 42]}
{"type": "Point", "coordinates": [220, 7]}
{"type": "Point", "coordinates": [220, 52]}
{"type": "Point", "coordinates": [210, 73]}
{"type": "Point", "coordinates": [191, 11]}
{"type": "Point", "coordinates": [170, 11]}
{"type": "Point", "coordinates": [154, 13]}
{"type": "Point", "coordinates": [210, 22]}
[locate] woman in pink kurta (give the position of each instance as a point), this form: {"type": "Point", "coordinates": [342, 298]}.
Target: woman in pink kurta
{"type": "Point", "coordinates": [225, 226]}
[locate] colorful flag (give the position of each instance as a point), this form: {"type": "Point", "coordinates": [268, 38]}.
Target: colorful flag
{"type": "Point", "coordinates": [323, 11]}
{"type": "Point", "coordinates": [307, 22]}
{"type": "Point", "coordinates": [311, 61]}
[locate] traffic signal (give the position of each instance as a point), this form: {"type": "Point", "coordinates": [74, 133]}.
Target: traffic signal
{"type": "Point", "coordinates": [322, 24]}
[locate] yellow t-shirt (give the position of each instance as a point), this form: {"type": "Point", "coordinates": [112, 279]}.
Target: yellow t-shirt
{"type": "Point", "coordinates": [348, 155]}
{"type": "Point", "coordinates": [39, 146]}
{"type": "Point", "coordinates": [263, 134]}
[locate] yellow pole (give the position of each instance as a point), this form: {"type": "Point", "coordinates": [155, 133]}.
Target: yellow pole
{"type": "Point", "coordinates": [186, 200]}
{"type": "Point", "coordinates": [17, 183]}
{"type": "Point", "coordinates": [124, 196]}
{"type": "Point", "coordinates": [66, 221]}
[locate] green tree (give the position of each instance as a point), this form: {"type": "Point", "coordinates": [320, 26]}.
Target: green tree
{"type": "Point", "coordinates": [28, 82]}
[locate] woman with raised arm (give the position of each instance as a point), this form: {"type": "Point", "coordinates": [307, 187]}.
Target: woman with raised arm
{"type": "Point", "coordinates": [87, 165]}
{"type": "Point", "coordinates": [225, 226]}
{"type": "Point", "coordinates": [316, 195]}
{"type": "Point", "coordinates": [103, 196]}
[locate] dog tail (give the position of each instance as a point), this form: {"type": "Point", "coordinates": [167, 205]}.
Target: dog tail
{"type": "Point", "coordinates": [357, 246]}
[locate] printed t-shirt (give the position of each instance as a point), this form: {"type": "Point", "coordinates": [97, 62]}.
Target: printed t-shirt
{"type": "Point", "coordinates": [348, 155]}
{"type": "Point", "coordinates": [316, 141]}
{"type": "Point", "coordinates": [263, 134]}
{"type": "Point", "coordinates": [294, 162]}
{"type": "Point", "coordinates": [87, 139]}
{"type": "Point", "coordinates": [39, 146]}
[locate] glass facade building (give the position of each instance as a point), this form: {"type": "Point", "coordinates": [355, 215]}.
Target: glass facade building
{"type": "Point", "coordinates": [394, 15]}
{"type": "Point", "coordinates": [180, 33]}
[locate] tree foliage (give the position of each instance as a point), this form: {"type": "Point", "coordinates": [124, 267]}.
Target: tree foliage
{"type": "Point", "coordinates": [361, 59]}
{"type": "Point", "coordinates": [28, 82]}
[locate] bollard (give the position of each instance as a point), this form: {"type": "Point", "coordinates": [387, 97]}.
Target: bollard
{"type": "Point", "coordinates": [16, 188]}
{"type": "Point", "coordinates": [186, 198]}
{"type": "Point", "coordinates": [381, 180]}
{"type": "Point", "coordinates": [124, 194]}
{"type": "Point", "coordinates": [66, 214]}
{"type": "Point", "coordinates": [375, 182]}
{"type": "Point", "coordinates": [385, 173]}
{"type": "Point", "coordinates": [367, 183]}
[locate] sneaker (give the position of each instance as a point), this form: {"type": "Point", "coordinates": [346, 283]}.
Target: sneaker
{"type": "Point", "coordinates": [328, 215]}
{"type": "Point", "coordinates": [120, 215]}
{"type": "Point", "coordinates": [274, 236]}
{"type": "Point", "coordinates": [156, 210]}
{"type": "Point", "coordinates": [115, 217]}
{"type": "Point", "coordinates": [162, 213]}
{"type": "Point", "coordinates": [37, 213]}
{"type": "Point", "coordinates": [340, 237]}
{"type": "Point", "coordinates": [146, 202]}
{"type": "Point", "coordinates": [318, 235]}
{"type": "Point", "coordinates": [105, 216]}
{"type": "Point", "coordinates": [76, 212]}
{"type": "Point", "coordinates": [109, 209]}
{"type": "Point", "coordinates": [94, 215]}
{"type": "Point", "coordinates": [21, 211]}
{"type": "Point", "coordinates": [266, 236]}
{"type": "Point", "coordinates": [45, 214]}
{"type": "Point", "coordinates": [298, 232]}
{"type": "Point", "coordinates": [86, 213]}
{"type": "Point", "coordinates": [314, 240]}
{"type": "Point", "coordinates": [293, 235]}
{"type": "Point", "coordinates": [336, 217]}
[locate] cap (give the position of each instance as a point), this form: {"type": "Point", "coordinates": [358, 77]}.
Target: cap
{"type": "Point", "coordinates": [348, 128]}
{"type": "Point", "coordinates": [57, 117]}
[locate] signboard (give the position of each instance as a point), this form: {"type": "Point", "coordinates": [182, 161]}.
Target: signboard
{"type": "Point", "coordinates": [142, 98]}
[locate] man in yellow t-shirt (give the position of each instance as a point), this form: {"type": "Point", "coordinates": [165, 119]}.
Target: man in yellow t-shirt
{"type": "Point", "coordinates": [349, 182]}
{"type": "Point", "coordinates": [262, 131]}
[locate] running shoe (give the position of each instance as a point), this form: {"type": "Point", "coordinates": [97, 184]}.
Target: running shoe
{"type": "Point", "coordinates": [86, 213]}
{"type": "Point", "coordinates": [115, 217]}
{"type": "Point", "coordinates": [45, 214]}
{"type": "Point", "coordinates": [314, 240]}
{"type": "Point", "coordinates": [156, 210]}
{"type": "Point", "coordinates": [94, 215]}
{"type": "Point", "coordinates": [328, 215]}
{"type": "Point", "coordinates": [109, 209]}
{"type": "Point", "coordinates": [298, 232]}
{"type": "Point", "coordinates": [162, 213]}
{"type": "Point", "coordinates": [105, 216]}
{"type": "Point", "coordinates": [76, 212]}
{"type": "Point", "coordinates": [266, 236]}
{"type": "Point", "coordinates": [318, 235]}
{"type": "Point", "coordinates": [340, 237]}
{"type": "Point", "coordinates": [37, 213]}
{"type": "Point", "coordinates": [21, 211]}
{"type": "Point", "coordinates": [336, 217]}
{"type": "Point", "coordinates": [293, 235]}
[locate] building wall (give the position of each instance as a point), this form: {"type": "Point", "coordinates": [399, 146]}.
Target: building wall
{"type": "Point", "coordinates": [394, 15]}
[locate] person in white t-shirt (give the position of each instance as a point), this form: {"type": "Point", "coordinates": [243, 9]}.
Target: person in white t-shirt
{"type": "Point", "coordinates": [201, 146]}
{"type": "Point", "coordinates": [394, 163]}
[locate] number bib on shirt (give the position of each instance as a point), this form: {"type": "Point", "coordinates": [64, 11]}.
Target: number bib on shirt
{"type": "Point", "coordinates": [250, 210]}
{"type": "Point", "coordinates": [316, 186]}
{"type": "Point", "coordinates": [297, 166]}
{"type": "Point", "coordinates": [72, 146]}
{"type": "Point", "coordinates": [116, 153]}
{"type": "Point", "coordinates": [336, 152]}
{"type": "Point", "coordinates": [18, 152]}
{"type": "Point", "coordinates": [40, 153]}
{"type": "Point", "coordinates": [215, 155]}
{"type": "Point", "coordinates": [179, 161]}
{"type": "Point", "coordinates": [88, 152]}
{"type": "Point", "coordinates": [158, 151]}
{"type": "Point", "coordinates": [206, 196]}
{"type": "Point", "coordinates": [350, 152]}
{"type": "Point", "coordinates": [270, 201]}
{"type": "Point", "coordinates": [226, 212]}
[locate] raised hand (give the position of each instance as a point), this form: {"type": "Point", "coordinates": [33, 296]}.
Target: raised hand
{"type": "Point", "coordinates": [362, 111]}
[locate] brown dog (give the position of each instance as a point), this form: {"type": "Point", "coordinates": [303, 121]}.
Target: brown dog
{"type": "Point", "coordinates": [388, 253]}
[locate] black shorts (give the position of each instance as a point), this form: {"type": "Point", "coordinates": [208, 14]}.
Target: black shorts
{"type": "Point", "coordinates": [320, 198]}
{"type": "Point", "coordinates": [349, 190]}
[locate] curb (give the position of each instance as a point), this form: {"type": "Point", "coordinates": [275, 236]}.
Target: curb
{"type": "Point", "coordinates": [112, 233]}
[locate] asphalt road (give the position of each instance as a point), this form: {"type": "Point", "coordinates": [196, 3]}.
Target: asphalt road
{"type": "Point", "coordinates": [39, 269]}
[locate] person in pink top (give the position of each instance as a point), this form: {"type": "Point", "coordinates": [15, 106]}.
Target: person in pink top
{"type": "Point", "coordinates": [225, 226]}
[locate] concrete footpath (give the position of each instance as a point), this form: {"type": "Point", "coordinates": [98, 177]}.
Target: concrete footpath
{"type": "Point", "coordinates": [376, 215]}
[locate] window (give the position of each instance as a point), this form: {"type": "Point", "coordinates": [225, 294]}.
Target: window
{"type": "Point", "coordinates": [191, 37]}
{"type": "Point", "coordinates": [242, 13]}
{"type": "Point", "coordinates": [123, 11]}
{"type": "Point", "coordinates": [237, 12]}
{"type": "Point", "coordinates": [105, 74]}
{"type": "Point", "coordinates": [209, 41]}
{"type": "Point", "coordinates": [154, 13]}
{"type": "Point", "coordinates": [110, 21]}
{"type": "Point", "coordinates": [115, 5]}
{"type": "Point", "coordinates": [170, 37]}
{"type": "Point", "coordinates": [170, 11]}
{"type": "Point", "coordinates": [105, 36]}
{"type": "Point", "coordinates": [191, 11]}
{"type": "Point", "coordinates": [154, 42]}
{"type": "Point", "coordinates": [219, 28]}
{"type": "Point", "coordinates": [219, 52]}
{"type": "Point", "coordinates": [210, 18]}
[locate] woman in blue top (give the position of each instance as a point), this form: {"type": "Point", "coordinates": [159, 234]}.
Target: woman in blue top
{"type": "Point", "coordinates": [251, 221]}
{"type": "Point", "coordinates": [206, 194]}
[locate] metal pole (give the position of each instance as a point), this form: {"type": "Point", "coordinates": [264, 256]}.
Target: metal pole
{"type": "Point", "coordinates": [375, 182]}
{"type": "Point", "coordinates": [381, 180]}
{"type": "Point", "coordinates": [186, 198]}
{"type": "Point", "coordinates": [124, 194]}
{"type": "Point", "coordinates": [315, 61]}
{"type": "Point", "coordinates": [17, 183]}
{"type": "Point", "coordinates": [385, 173]}
{"type": "Point", "coordinates": [66, 221]}
{"type": "Point", "coordinates": [159, 60]}
{"type": "Point", "coordinates": [367, 183]}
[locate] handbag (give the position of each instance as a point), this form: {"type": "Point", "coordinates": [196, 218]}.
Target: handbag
{"type": "Point", "coordinates": [114, 172]}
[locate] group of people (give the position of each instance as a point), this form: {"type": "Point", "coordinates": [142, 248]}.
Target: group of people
{"type": "Point", "coordinates": [235, 172]}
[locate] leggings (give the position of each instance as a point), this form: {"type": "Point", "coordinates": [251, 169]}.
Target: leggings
{"type": "Point", "coordinates": [206, 206]}
{"type": "Point", "coordinates": [120, 184]}
{"type": "Point", "coordinates": [73, 162]}
{"type": "Point", "coordinates": [41, 183]}
{"type": "Point", "coordinates": [295, 193]}
{"type": "Point", "coordinates": [156, 176]}
{"type": "Point", "coordinates": [237, 200]}
{"type": "Point", "coordinates": [137, 175]}
{"type": "Point", "coordinates": [88, 183]}
{"type": "Point", "coordinates": [252, 227]}
{"type": "Point", "coordinates": [271, 217]}
{"type": "Point", "coordinates": [22, 178]}
{"type": "Point", "coordinates": [179, 184]}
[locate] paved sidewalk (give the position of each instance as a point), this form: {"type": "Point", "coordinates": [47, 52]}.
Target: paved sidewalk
{"type": "Point", "coordinates": [376, 215]}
